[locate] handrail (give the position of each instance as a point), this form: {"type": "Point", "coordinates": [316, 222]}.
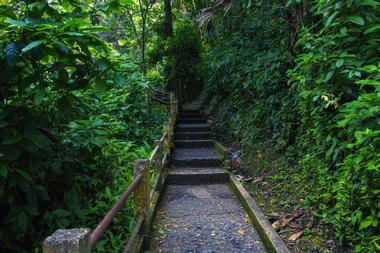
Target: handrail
{"type": "Point", "coordinates": [82, 240]}
{"type": "Point", "coordinates": [154, 154]}
{"type": "Point", "coordinates": [162, 101]}
{"type": "Point", "coordinates": [160, 90]}
{"type": "Point", "coordinates": [104, 224]}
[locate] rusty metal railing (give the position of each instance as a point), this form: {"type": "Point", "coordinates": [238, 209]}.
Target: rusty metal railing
{"type": "Point", "coordinates": [104, 224]}
{"type": "Point", "coordinates": [81, 240]}
{"type": "Point", "coordinates": [161, 96]}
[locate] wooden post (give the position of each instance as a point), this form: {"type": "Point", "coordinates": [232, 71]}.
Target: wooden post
{"type": "Point", "coordinates": [158, 160]}
{"type": "Point", "coordinates": [172, 104]}
{"type": "Point", "coordinates": [168, 140]}
{"type": "Point", "coordinates": [75, 240]}
{"type": "Point", "coordinates": [142, 193]}
{"type": "Point", "coordinates": [158, 165]}
{"type": "Point", "coordinates": [176, 107]}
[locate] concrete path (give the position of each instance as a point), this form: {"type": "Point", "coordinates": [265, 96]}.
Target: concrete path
{"type": "Point", "coordinates": [199, 212]}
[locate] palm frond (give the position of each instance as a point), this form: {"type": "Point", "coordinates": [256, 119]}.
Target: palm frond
{"type": "Point", "coordinates": [208, 13]}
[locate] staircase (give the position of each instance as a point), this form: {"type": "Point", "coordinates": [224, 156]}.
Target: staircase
{"type": "Point", "coordinates": [198, 211]}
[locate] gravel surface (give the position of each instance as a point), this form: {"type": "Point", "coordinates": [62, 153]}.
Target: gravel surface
{"type": "Point", "coordinates": [204, 218]}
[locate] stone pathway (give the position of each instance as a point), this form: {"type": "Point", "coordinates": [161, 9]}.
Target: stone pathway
{"type": "Point", "coordinates": [199, 213]}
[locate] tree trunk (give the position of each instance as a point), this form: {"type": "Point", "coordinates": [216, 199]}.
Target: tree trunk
{"type": "Point", "coordinates": [168, 19]}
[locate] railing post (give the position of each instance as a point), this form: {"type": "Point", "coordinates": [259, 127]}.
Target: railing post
{"type": "Point", "coordinates": [158, 160]}
{"type": "Point", "coordinates": [172, 104]}
{"type": "Point", "coordinates": [142, 193]}
{"type": "Point", "coordinates": [166, 144]}
{"type": "Point", "coordinates": [75, 240]}
{"type": "Point", "coordinates": [158, 164]}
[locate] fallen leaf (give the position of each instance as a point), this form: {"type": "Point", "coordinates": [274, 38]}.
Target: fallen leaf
{"type": "Point", "coordinates": [294, 225]}
{"type": "Point", "coordinates": [310, 224]}
{"type": "Point", "coordinates": [258, 180]}
{"type": "Point", "coordinates": [281, 223]}
{"type": "Point", "coordinates": [295, 236]}
{"type": "Point", "coordinates": [241, 231]}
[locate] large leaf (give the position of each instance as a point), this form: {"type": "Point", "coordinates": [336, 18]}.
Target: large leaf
{"type": "Point", "coordinates": [356, 19]}
{"type": "Point", "coordinates": [32, 45]}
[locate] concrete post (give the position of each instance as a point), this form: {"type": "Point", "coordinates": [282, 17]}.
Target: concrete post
{"type": "Point", "coordinates": [76, 240]}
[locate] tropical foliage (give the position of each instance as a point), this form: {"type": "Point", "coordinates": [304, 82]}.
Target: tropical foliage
{"type": "Point", "coordinates": [305, 75]}
{"type": "Point", "coordinates": [74, 115]}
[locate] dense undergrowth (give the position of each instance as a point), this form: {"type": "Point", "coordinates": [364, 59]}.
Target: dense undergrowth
{"type": "Point", "coordinates": [74, 115]}
{"type": "Point", "coordinates": [302, 77]}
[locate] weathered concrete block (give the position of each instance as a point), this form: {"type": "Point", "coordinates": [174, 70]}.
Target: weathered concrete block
{"type": "Point", "coordinates": [75, 240]}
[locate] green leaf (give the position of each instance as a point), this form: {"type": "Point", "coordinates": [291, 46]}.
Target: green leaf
{"type": "Point", "coordinates": [331, 18]}
{"type": "Point", "coordinates": [38, 139]}
{"type": "Point", "coordinates": [32, 45]}
{"type": "Point", "coordinates": [119, 79]}
{"type": "Point", "coordinates": [328, 76]}
{"type": "Point", "coordinates": [61, 213]}
{"type": "Point", "coordinates": [339, 63]}
{"type": "Point", "coordinates": [127, 2]}
{"type": "Point", "coordinates": [74, 34]}
{"type": "Point", "coordinates": [38, 97]}
{"type": "Point", "coordinates": [11, 139]}
{"type": "Point", "coordinates": [100, 85]}
{"type": "Point", "coordinates": [22, 221]}
{"type": "Point", "coordinates": [73, 125]}
{"type": "Point", "coordinates": [368, 82]}
{"type": "Point", "coordinates": [3, 170]}
{"type": "Point", "coordinates": [356, 19]}
{"type": "Point", "coordinates": [108, 192]}
{"type": "Point", "coordinates": [372, 29]}
{"type": "Point", "coordinates": [96, 28]}
{"type": "Point", "coordinates": [366, 223]}
{"type": "Point", "coordinates": [369, 3]}
{"type": "Point", "coordinates": [98, 141]}
{"type": "Point", "coordinates": [25, 175]}
{"type": "Point", "coordinates": [16, 23]}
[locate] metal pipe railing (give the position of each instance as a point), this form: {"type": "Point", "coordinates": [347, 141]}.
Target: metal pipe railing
{"type": "Point", "coordinates": [104, 224]}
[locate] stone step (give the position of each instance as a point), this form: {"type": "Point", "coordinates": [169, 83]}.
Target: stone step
{"type": "Point", "coordinates": [196, 162]}
{"type": "Point", "coordinates": [189, 111]}
{"type": "Point", "coordinates": [197, 175]}
{"type": "Point", "coordinates": [190, 115]}
{"type": "Point", "coordinates": [194, 136]}
{"type": "Point", "coordinates": [192, 120]}
{"type": "Point", "coordinates": [193, 128]}
{"type": "Point", "coordinates": [193, 143]}
{"type": "Point", "coordinates": [195, 157]}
